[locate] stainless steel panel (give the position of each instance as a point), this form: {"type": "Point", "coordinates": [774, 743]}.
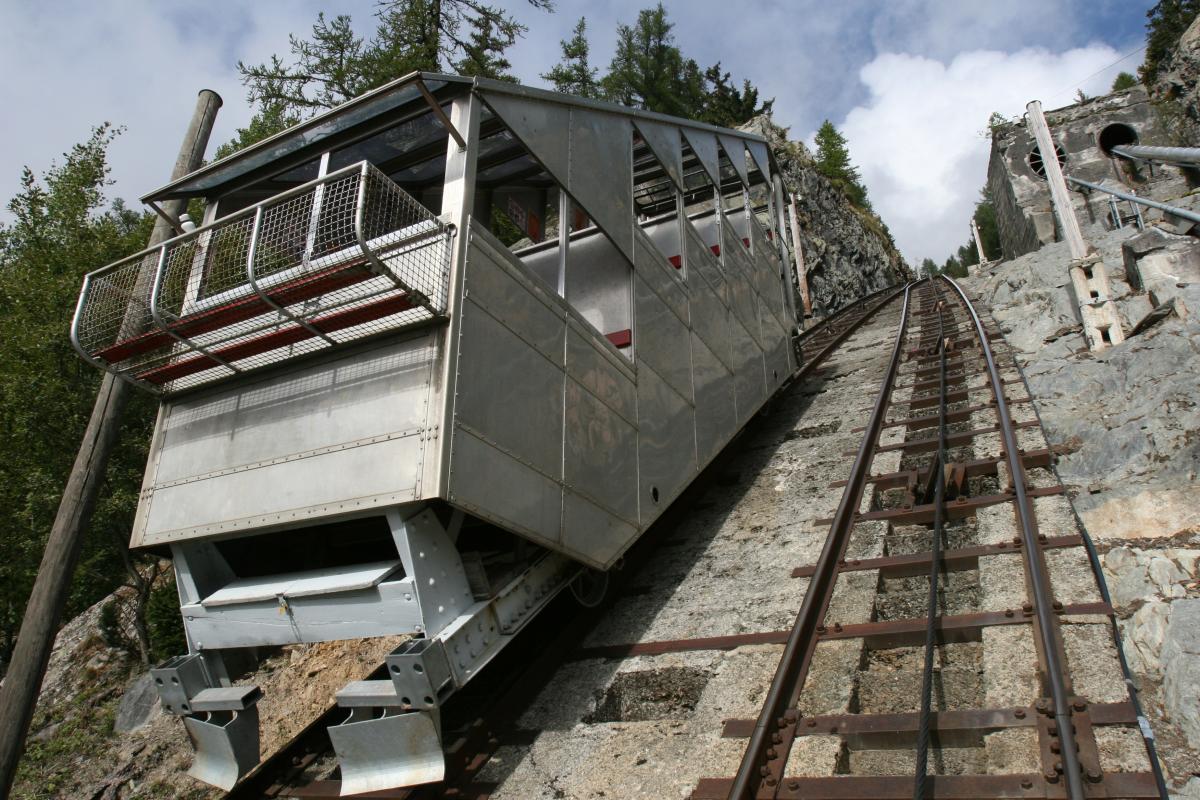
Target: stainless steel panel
{"type": "Point", "coordinates": [508, 393]}
{"type": "Point", "coordinates": [779, 362]}
{"type": "Point", "coordinates": [385, 610]}
{"type": "Point", "coordinates": [710, 320]}
{"type": "Point", "coordinates": [653, 268]}
{"type": "Point", "coordinates": [601, 172]}
{"type": "Point", "coordinates": [330, 483]}
{"type": "Point", "coordinates": [733, 147]}
{"type": "Point", "coordinates": [761, 156]}
{"type": "Point", "coordinates": [748, 372]}
{"type": "Point", "coordinates": [495, 486]}
{"type": "Point", "coordinates": [494, 282]}
{"type": "Point", "coordinates": [738, 272]}
{"type": "Point", "coordinates": [539, 125]}
{"type": "Point", "coordinates": [704, 145]}
{"type": "Point", "coordinates": [716, 413]}
{"type": "Point", "coordinates": [598, 370]}
{"type": "Point", "coordinates": [662, 340]}
{"type": "Point", "coordinates": [331, 403]}
{"type": "Point", "coordinates": [664, 142]}
{"type": "Point", "coordinates": [700, 261]}
{"type": "Point", "coordinates": [600, 456]}
{"type": "Point", "coordinates": [666, 443]}
{"type": "Point", "coordinates": [593, 535]}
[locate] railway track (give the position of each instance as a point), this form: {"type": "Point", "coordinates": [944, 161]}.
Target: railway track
{"type": "Point", "coordinates": [952, 487]}
{"type": "Point", "coordinates": [940, 448]}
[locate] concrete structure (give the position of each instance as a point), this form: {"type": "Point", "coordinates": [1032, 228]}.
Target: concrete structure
{"type": "Point", "coordinates": [1083, 135]}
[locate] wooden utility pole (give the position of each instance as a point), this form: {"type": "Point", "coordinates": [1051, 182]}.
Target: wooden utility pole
{"type": "Point", "coordinates": [798, 252]}
{"type": "Point", "coordinates": [23, 681]}
{"type": "Point", "coordinates": [978, 242]}
{"type": "Point", "coordinates": [1059, 195]}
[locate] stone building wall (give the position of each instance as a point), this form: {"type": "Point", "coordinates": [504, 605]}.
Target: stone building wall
{"type": "Point", "coordinates": [1083, 131]}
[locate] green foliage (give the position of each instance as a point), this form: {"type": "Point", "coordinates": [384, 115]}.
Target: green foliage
{"type": "Point", "coordinates": [1168, 19]}
{"type": "Point", "coordinates": [48, 766]}
{"type": "Point", "coordinates": [1123, 81]}
{"type": "Point", "coordinates": [110, 625]}
{"type": "Point", "coordinates": [649, 71]}
{"type": "Point", "coordinates": [574, 74]}
{"type": "Point", "coordinates": [164, 623]}
{"type": "Point", "coordinates": [337, 64]}
{"type": "Point", "coordinates": [61, 229]}
{"type": "Point", "coordinates": [833, 161]}
{"type": "Point", "coordinates": [725, 104]}
{"type": "Point", "coordinates": [483, 54]}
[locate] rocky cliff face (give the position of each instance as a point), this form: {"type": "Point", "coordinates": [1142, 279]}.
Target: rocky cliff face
{"type": "Point", "coordinates": [847, 252]}
{"type": "Point", "coordinates": [1177, 89]}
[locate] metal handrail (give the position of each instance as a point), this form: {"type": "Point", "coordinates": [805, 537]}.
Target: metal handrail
{"type": "Point", "coordinates": [150, 317]}
{"type": "Point", "coordinates": [1183, 213]}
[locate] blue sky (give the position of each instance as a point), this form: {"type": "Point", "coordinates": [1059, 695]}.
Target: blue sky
{"type": "Point", "coordinates": [910, 82]}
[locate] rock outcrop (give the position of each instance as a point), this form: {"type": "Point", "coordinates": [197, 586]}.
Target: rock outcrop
{"type": "Point", "coordinates": [1177, 88]}
{"type": "Point", "coordinates": [848, 252]}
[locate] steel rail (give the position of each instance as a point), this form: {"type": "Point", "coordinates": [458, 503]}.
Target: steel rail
{"type": "Point", "coordinates": [802, 639]}
{"type": "Point", "coordinates": [1035, 564]}
{"type": "Point", "coordinates": [937, 475]}
{"type": "Point", "coordinates": [1182, 213]}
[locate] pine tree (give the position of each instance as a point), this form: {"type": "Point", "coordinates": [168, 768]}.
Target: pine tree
{"type": "Point", "coordinates": [574, 74]}
{"type": "Point", "coordinates": [647, 68]}
{"type": "Point", "coordinates": [725, 105]}
{"type": "Point", "coordinates": [833, 161]}
{"type": "Point", "coordinates": [484, 53]}
{"type": "Point", "coordinates": [336, 64]}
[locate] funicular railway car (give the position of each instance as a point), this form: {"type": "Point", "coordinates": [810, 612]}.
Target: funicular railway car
{"type": "Point", "coordinates": [377, 418]}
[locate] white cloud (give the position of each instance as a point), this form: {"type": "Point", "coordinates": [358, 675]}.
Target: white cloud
{"type": "Point", "coordinates": [917, 139]}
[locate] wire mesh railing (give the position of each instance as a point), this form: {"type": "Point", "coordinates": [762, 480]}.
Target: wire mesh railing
{"type": "Point", "coordinates": [343, 257]}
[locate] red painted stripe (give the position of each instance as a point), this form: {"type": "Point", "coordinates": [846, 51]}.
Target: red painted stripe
{"type": "Point", "coordinates": [296, 291]}
{"type": "Point", "coordinates": [620, 339]}
{"type": "Point", "coordinates": [676, 262]}
{"type": "Point", "coordinates": [329, 323]}
{"type": "Point", "coordinates": [716, 249]}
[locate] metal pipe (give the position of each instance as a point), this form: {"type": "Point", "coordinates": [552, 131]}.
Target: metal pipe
{"type": "Point", "coordinates": [1182, 213]}
{"type": "Point", "coordinates": [1164, 155]}
{"type": "Point", "coordinates": [1043, 593]}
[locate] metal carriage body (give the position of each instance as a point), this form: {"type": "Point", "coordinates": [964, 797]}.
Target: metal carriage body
{"type": "Point", "coordinates": [379, 419]}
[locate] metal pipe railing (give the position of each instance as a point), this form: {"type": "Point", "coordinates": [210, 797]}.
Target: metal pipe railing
{"type": "Point", "coordinates": [1182, 213]}
{"type": "Point", "coordinates": [1167, 155]}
